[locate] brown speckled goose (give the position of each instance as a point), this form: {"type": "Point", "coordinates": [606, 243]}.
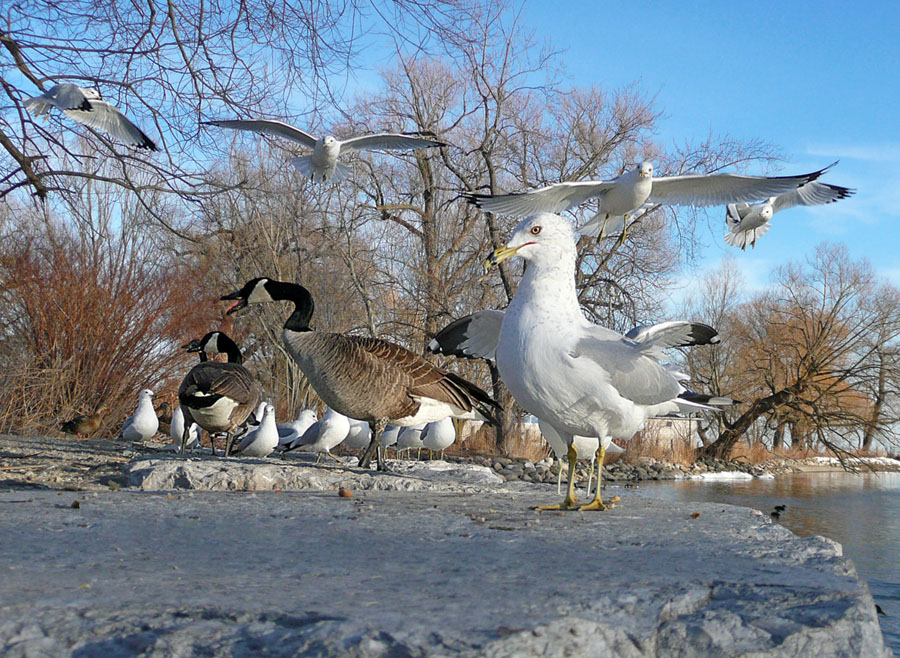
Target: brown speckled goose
{"type": "Point", "coordinates": [219, 397]}
{"type": "Point", "coordinates": [367, 378]}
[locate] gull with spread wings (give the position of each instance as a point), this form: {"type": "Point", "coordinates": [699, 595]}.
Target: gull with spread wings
{"type": "Point", "coordinates": [322, 164]}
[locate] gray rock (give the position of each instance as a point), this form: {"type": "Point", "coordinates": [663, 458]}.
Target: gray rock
{"type": "Point", "coordinates": [416, 573]}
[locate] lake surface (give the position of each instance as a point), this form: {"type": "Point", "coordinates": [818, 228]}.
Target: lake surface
{"type": "Point", "coordinates": [860, 511]}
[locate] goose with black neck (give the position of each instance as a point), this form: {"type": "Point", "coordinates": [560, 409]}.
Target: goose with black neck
{"type": "Point", "coordinates": [219, 397]}
{"type": "Point", "coordinates": [365, 378]}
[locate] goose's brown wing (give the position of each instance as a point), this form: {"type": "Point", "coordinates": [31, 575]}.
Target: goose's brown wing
{"type": "Point", "coordinates": [212, 378]}
{"type": "Point", "coordinates": [421, 378]}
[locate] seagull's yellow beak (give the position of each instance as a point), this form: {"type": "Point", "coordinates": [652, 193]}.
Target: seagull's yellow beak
{"type": "Point", "coordinates": [501, 254]}
{"type": "Point", "coordinates": [643, 175]}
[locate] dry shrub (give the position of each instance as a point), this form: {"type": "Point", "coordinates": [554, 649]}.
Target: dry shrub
{"type": "Point", "coordinates": [90, 318]}
{"type": "Point", "coordinates": [524, 444]}
{"type": "Point", "coordinates": [757, 452]}
{"type": "Point", "coordinates": [650, 442]}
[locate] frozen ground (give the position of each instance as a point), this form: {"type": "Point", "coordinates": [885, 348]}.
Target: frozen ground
{"type": "Point", "coordinates": [414, 573]}
{"type": "Point", "coordinates": [432, 559]}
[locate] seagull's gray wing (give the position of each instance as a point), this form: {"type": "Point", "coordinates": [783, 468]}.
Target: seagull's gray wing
{"type": "Point", "coordinates": [811, 194]}
{"type": "Point", "coordinates": [734, 213]}
{"type": "Point", "coordinates": [388, 142]}
{"type": "Point", "coordinates": [719, 189]}
{"type": "Point", "coordinates": [108, 118]}
{"type": "Point", "coordinates": [266, 127]}
{"type": "Point", "coordinates": [64, 96]}
{"type": "Point", "coordinates": [651, 340]}
{"type": "Point", "coordinates": [471, 337]}
{"type": "Point", "coordinates": [636, 376]}
{"type": "Point", "coordinates": [552, 198]}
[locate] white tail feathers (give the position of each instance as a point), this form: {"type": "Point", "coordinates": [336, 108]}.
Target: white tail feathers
{"type": "Point", "coordinates": [305, 166]}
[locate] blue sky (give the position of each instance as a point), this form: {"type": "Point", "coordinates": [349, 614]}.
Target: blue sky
{"type": "Point", "coordinates": [818, 80]}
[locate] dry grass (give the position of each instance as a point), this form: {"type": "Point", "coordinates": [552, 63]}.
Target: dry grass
{"type": "Point", "coordinates": [526, 445]}
{"type": "Point", "coordinates": [676, 450]}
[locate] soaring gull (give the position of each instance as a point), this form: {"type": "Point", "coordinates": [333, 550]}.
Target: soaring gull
{"type": "Point", "coordinates": [746, 224]}
{"type": "Point", "coordinates": [323, 163]}
{"type": "Point", "coordinates": [88, 107]}
{"type": "Point", "coordinates": [623, 195]}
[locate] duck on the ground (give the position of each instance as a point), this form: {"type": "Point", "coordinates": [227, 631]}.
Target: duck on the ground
{"type": "Point", "coordinates": [83, 425]}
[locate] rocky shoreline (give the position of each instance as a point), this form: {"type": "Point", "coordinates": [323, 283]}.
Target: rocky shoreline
{"type": "Point", "coordinates": [545, 471]}
{"type": "Point", "coordinates": [68, 463]}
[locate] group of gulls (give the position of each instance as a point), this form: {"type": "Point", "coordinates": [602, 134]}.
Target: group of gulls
{"type": "Point", "coordinates": [618, 199]}
{"type": "Point", "coordinates": [585, 383]}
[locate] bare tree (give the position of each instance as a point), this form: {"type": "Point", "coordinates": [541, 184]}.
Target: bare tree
{"type": "Point", "coordinates": [171, 64]}
{"type": "Point", "coordinates": [808, 353]}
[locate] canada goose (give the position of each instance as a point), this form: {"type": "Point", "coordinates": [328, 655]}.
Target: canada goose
{"type": "Point", "coordinates": [143, 423]}
{"type": "Point", "coordinates": [322, 164]}
{"type": "Point", "coordinates": [83, 425]}
{"type": "Point", "coordinates": [260, 441]}
{"type": "Point", "coordinates": [88, 107]}
{"type": "Point", "coordinates": [322, 436]}
{"type": "Point", "coordinates": [366, 378]}
{"type": "Point", "coordinates": [217, 396]}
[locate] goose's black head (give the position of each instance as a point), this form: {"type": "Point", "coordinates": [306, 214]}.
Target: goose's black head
{"type": "Point", "coordinates": [262, 289]}
{"type": "Point", "coordinates": [215, 342]}
{"type": "Point", "coordinates": [255, 291]}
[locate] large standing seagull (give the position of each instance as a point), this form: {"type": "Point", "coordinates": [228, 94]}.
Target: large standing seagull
{"type": "Point", "coordinates": [621, 196]}
{"type": "Point", "coordinates": [476, 336]}
{"type": "Point", "coordinates": [88, 107]}
{"type": "Point", "coordinates": [578, 377]}
{"type": "Point", "coordinates": [366, 378]}
{"type": "Point", "coordinates": [322, 164]}
{"type": "Point", "coordinates": [746, 224]}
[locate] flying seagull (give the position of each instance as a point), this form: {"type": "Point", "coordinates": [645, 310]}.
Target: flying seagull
{"type": "Point", "coordinates": [748, 223]}
{"type": "Point", "coordinates": [578, 377]}
{"type": "Point", "coordinates": [88, 107]}
{"type": "Point", "coordinates": [623, 195]}
{"type": "Point", "coordinates": [323, 163]}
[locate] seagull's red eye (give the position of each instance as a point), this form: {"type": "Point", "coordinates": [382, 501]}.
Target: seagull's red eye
{"type": "Point", "coordinates": [535, 230]}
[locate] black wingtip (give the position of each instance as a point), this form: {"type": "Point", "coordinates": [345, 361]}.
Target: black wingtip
{"type": "Point", "coordinates": [703, 334]}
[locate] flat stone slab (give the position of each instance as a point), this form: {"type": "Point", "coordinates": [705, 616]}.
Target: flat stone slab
{"type": "Point", "coordinates": [168, 472]}
{"type": "Point", "coordinates": [415, 573]}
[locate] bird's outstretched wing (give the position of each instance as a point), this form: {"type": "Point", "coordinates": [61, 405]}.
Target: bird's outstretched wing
{"type": "Point", "coordinates": [473, 336]}
{"type": "Point", "coordinates": [552, 198]}
{"type": "Point", "coordinates": [811, 194]}
{"type": "Point", "coordinates": [108, 118]}
{"type": "Point", "coordinates": [266, 127]}
{"type": "Point", "coordinates": [389, 142]}
{"type": "Point", "coordinates": [719, 189]}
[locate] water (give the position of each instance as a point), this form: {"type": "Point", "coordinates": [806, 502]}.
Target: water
{"type": "Point", "coordinates": [861, 511]}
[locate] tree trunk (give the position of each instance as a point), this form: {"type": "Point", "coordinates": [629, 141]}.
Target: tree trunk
{"type": "Point", "coordinates": [872, 425]}
{"type": "Point", "coordinates": [721, 447]}
{"type": "Point", "coordinates": [778, 437]}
